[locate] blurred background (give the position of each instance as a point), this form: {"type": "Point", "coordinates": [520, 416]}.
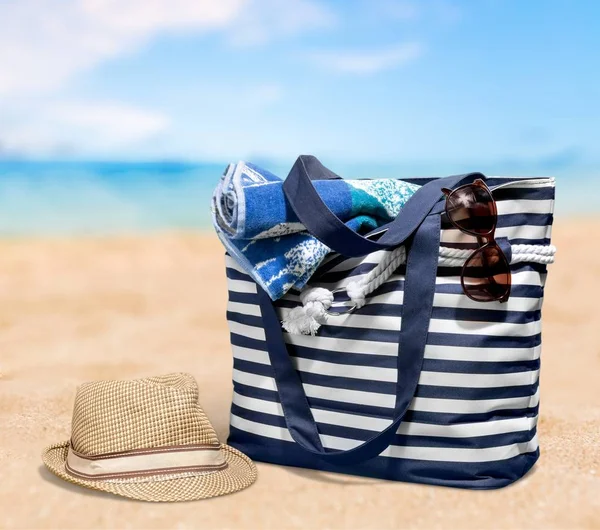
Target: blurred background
{"type": "Point", "coordinates": [118, 116]}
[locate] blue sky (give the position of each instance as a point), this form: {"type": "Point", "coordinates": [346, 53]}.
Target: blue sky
{"type": "Point", "coordinates": [498, 85]}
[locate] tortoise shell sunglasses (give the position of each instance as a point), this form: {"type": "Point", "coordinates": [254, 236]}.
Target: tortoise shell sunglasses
{"type": "Point", "coordinates": [485, 276]}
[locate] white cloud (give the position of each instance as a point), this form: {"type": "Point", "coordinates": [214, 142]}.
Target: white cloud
{"type": "Point", "coordinates": [43, 42]}
{"type": "Point", "coordinates": [60, 127]}
{"type": "Point", "coordinates": [263, 20]}
{"type": "Point", "coordinates": [369, 61]}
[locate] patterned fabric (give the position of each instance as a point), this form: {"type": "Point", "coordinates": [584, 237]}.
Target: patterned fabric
{"type": "Point", "coordinates": [472, 421]}
{"type": "Point", "coordinates": [115, 416]}
{"type": "Point", "coordinates": [257, 226]}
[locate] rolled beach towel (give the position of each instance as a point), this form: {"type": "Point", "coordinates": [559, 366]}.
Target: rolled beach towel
{"type": "Point", "coordinates": [260, 230]}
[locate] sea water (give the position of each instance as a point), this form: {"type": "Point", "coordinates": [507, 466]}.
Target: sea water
{"type": "Point", "coordinates": [98, 198]}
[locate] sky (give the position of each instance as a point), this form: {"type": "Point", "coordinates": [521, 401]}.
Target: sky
{"type": "Point", "coordinates": [421, 84]}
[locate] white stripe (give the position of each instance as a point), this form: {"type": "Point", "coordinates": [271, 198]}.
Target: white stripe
{"type": "Point", "coordinates": [472, 406]}
{"type": "Point", "coordinates": [351, 263]}
{"type": "Point", "coordinates": [244, 309]}
{"type": "Point", "coordinates": [368, 423]}
{"type": "Point", "coordinates": [523, 182]}
{"type": "Point", "coordinates": [518, 278]}
{"type": "Point", "coordinates": [461, 327]}
{"type": "Point", "coordinates": [478, 380]}
{"type": "Point", "coordinates": [373, 373]}
{"type": "Point", "coordinates": [458, 406]}
{"type": "Point", "coordinates": [449, 454]}
{"type": "Point", "coordinates": [445, 300]}
{"type": "Point", "coordinates": [449, 353]}
{"type": "Point", "coordinates": [343, 345]}
{"type": "Point", "coordinates": [494, 329]}
{"type": "Point", "coordinates": [486, 454]}
{"type": "Point", "coordinates": [525, 206]}
{"type": "Point", "coordinates": [389, 323]}
{"type": "Point", "coordinates": [241, 286]}
{"type": "Point", "coordinates": [251, 332]}
{"type": "Point", "coordinates": [511, 232]}
{"type": "Point", "coordinates": [461, 353]}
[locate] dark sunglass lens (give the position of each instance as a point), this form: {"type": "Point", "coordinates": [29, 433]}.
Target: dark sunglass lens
{"type": "Point", "coordinates": [486, 275]}
{"type": "Point", "coordinates": [472, 209]}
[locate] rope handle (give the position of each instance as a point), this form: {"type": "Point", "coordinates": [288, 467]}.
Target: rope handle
{"type": "Point", "coordinates": [317, 301]}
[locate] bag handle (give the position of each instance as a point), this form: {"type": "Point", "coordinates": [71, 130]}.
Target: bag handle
{"type": "Point", "coordinates": [322, 223]}
{"type": "Point", "coordinates": [421, 269]}
{"type": "Point", "coordinates": [416, 313]}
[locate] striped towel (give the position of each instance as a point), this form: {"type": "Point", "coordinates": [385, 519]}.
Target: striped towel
{"type": "Point", "coordinates": [260, 230]}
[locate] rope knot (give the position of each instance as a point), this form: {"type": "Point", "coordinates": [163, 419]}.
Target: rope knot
{"type": "Point", "coordinates": [308, 318]}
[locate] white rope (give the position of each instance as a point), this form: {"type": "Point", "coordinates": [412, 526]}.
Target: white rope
{"type": "Point", "coordinates": [316, 301]}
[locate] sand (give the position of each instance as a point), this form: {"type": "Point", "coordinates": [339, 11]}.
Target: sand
{"type": "Point", "coordinates": [83, 309]}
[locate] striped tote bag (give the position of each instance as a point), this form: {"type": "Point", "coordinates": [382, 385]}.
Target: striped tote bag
{"type": "Point", "coordinates": [419, 384]}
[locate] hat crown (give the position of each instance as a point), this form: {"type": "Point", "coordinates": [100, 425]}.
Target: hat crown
{"type": "Point", "coordinates": [116, 416]}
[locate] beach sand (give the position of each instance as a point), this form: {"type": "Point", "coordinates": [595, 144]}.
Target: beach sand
{"type": "Point", "coordinates": [75, 310]}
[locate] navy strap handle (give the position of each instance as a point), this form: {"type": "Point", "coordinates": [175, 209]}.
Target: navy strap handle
{"type": "Point", "coordinates": [419, 290]}
{"type": "Point", "coordinates": [321, 222]}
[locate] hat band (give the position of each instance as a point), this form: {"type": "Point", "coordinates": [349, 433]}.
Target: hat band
{"type": "Point", "coordinates": [146, 462]}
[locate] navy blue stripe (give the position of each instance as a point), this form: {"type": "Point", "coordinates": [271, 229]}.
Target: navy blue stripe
{"type": "Point", "coordinates": [474, 367]}
{"type": "Point", "coordinates": [363, 268]}
{"type": "Point", "coordinates": [515, 241]}
{"type": "Point", "coordinates": [492, 182]}
{"type": "Point", "coordinates": [512, 220]}
{"type": "Point", "coordinates": [437, 339]}
{"type": "Point", "coordinates": [383, 387]}
{"type": "Point", "coordinates": [234, 274]}
{"type": "Point", "coordinates": [473, 442]}
{"type": "Point", "coordinates": [437, 418]}
{"type": "Point", "coordinates": [530, 194]}
{"type": "Point", "coordinates": [247, 342]}
{"type": "Point", "coordinates": [336, 276]}
{"type": "Point", "coordinates": [524, 241]}
{"type": "Point", "coordinates": [483, 341]}
{"type": "Point", "coordinates": [521, 219]}
{"type": "Point", "coordinates": [466, 393]}
{"type": "Point", "coordinates": [480, 475]}
{"type": "Point", "coordinates": [248, 320]}
{"type": "Point", "coordinates": [261, 393]}
{"type": "Point", "coordinates": [244, 298]}
{"type": "Point", "coordinates": [343, 358]}
{"type": "Point", "coordinates": [451, 418]}
{"type": "Point", "coordinates": [444, 313]}
{"type": "Point", "coordinates": [388, 361]}
{"type": "Point", "coordinates": [455, 313]}
{"type": "Point", "coordinates": [433, 339]}
{"type": "Point", "coordinates": [523, 291]}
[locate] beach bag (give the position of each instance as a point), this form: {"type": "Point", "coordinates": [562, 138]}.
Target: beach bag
{"type": "Point", "coordinates": [421, 383]}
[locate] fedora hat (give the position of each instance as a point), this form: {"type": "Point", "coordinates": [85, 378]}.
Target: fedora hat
{"type": "Point", "coordinates": [147, 439]}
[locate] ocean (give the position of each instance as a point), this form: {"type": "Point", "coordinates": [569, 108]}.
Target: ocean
{"type": "Point", "coordinates": [60, 198]}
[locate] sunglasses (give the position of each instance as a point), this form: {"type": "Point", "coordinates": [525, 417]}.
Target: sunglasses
{"type": "Point", "coordinates": [485, 276]}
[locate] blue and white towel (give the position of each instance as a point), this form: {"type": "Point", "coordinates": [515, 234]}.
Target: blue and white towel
{"type": "Point", "coordinates": [261, 231]}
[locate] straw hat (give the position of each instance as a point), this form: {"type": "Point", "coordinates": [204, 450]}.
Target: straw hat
{"type": "Point", "coordinates": [147, 439]}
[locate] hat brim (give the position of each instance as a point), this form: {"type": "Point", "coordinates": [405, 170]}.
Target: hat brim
{"type": "Point", "coordinates": [239, 474]}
